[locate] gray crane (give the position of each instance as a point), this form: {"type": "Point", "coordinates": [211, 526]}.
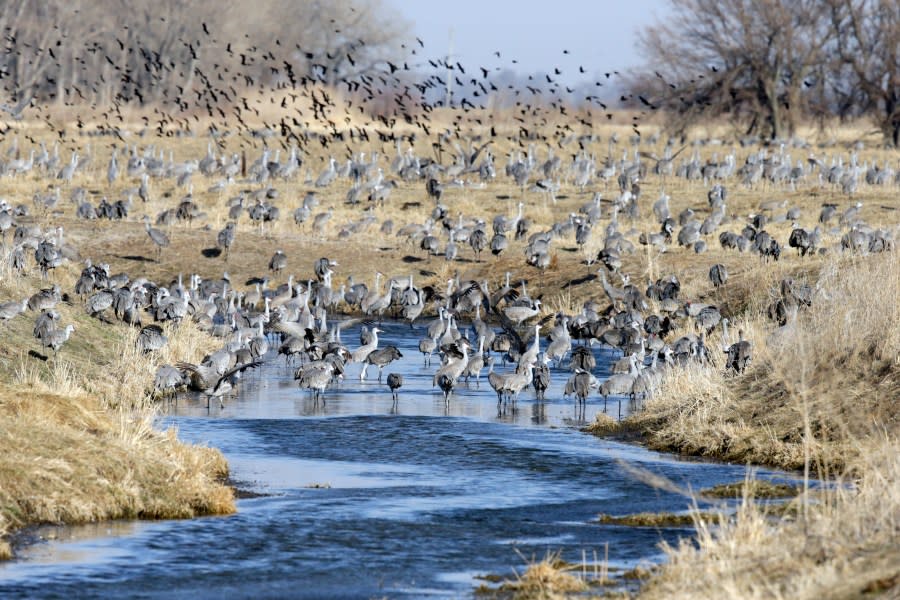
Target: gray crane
{"type": "Point", "coordinates": [317, 375]}
{"type": "Point", "coordinates": [518, 314]}
{"type": "Point", "coordinates": [446, 382]}
{"type": "Point", "coordinates": [218, 385]}
{"type": "Point", "coordinates": [620, 384]}
{"type": "Point", "coordinates": [499, 243]}
{"type": "Point", "coordinates": [456, 361]}
{"type": "Point", "coordinates": [541, 377]}
{"type": "Point", "coordinates": [159, 239]}
{"type": "Point", "coordinates": [739, 354]}
{"type": "Point", "coordinates": [478, 241]}
{"type": "Point", "coordinates": [582, 358]}
{"type": "Point", "coordinates": [580, 384]}
{"type": "Point", "coordinates": [516, 382]}
{"type": "Point", "coordinates": [225, 238]}
{"type": "Point", "coordinates": [55, 338]}
{"type": "Point", "coordinates": [8, 310]}
{"type": "Point", "coordinates": [394, 382]}
{"type": "Point", "coordinates": [718, 275]}
{"type": "Point", "coordinates": [475, 364]}
{"type": "Point", "coordinates": [427, 346]}
{"type": "Point", "coordinates": [167, 380]}
{"type": "Point", "coordinates": [151, 339]}
{"type": "Point", "coordinates": [383, 357]}
{"type": "Point", "coordinates": [278, 262]}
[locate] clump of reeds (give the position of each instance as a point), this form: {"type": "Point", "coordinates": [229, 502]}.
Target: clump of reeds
{"type": "Point", "coordinates": [547, 579]}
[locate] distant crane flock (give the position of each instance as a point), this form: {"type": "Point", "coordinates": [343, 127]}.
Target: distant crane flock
{"type": "Point", "coordinates": [653, 327]}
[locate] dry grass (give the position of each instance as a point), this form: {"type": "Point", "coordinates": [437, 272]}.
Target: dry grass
{"type": "Point", "coordinates": [792, 408]}
{"type": "Point", "coordinates": [66, 459]}
{"type": "Point", "coordinates": [834, 372]}
{"type": "Point", "coordinates": [821, 395]}
{"type": "Point", "coordinates": [844, 545]}
{"type": "Point", "coordinates": [656, 519]}
{"type": "Point", "coordinates": [753, 488]}
{"type": "Point", "coordinates": [78, 442]}
{"type": "Point", "coordinates": [548, 579]}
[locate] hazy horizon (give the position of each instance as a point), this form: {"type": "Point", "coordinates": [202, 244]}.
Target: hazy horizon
{"type": "Point", "coordinates": [580, 39]}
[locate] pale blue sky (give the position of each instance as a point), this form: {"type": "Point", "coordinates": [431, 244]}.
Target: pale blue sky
{"type": "Point", "coordinates": [599, 35]}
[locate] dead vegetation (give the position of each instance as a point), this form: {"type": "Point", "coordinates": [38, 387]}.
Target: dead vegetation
{"type": "Point", "coordinates": [843, 545]}
{"type": "Point", "coordinates": [78, 443]}
{"type": "Point", "coordinates": [817, 390]}
{"type": "Point", "coordinates": [821, 395]}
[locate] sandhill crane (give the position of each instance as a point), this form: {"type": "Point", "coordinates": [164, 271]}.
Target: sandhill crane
{"type": "Point", "coordinates": [316, 376]}
{"type": "Point", "coordinates": [427, 346]}
{"type": "Point", "coordinates": [45, 299]}
{"type": "Point", "coordinates": [112, 171]}
{"type": "Point", "coordinates": [582, 358]}
{"type": "Point", "coordinates": [541, 377]}
{"type": "Point", "coordinates": [383, 357]}
{"type": "Point", "coordinates": [619, 384]}
{"type": "Point", "coordinates": [561, 342]}
{"type": "Point", "coordinates": [167, 379]}
{"type": "Point", "coordinates": [456, 361]}
{"type": "Point", "coordinates": [739, 354]}
{"type": "Point", "coordinates": [718, 275]}
{"type": "Point", "coordinates": [380, 303]}
{"type": "Point", "coordinates": [278, 262]}
{"type": "Point", "coordinates": [800, 239]}
{"type": "Point", "coordinates": [615, 294]}
{"type": "Point", "coordinates": [217, 385]}
{"type": "Point", "coordinates": [151, 338]}
{"type": "Point", "coordinates": [225, 238]}
{"type": "Point", "coordinates": [475, 364]}
{"type": "Point", "coordinates": [362, 353]}
{"type": "Point", "coordinates": [478, 241]}
{"type": "Point", "coordinates": [394, 382]}
{"type": "Point", "coordinates": [8, 310]}
{"type": "Point", "coordinates": [55, 338]}
{"type": "Point", "coordinates": [580, 384]}
{"type": "Point", "coordinates": [499, 243]}
{"type": "Point", "coordinates": [516, 382]}
{"type": "Point", "coordinates": [159, 239]}
{"type": "Point", "coordinates": [446, 382]}
{"type": "Point", "coordinates": [517, 314]}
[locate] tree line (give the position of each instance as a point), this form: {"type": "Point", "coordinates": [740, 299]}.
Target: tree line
{"type": "Point", "coordinates": [767, 65]}
{"type": "Point", "coordinates": [102, 52]}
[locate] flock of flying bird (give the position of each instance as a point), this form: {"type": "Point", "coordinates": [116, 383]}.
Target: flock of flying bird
{"type": "Point", "coordinates": [255, 321]}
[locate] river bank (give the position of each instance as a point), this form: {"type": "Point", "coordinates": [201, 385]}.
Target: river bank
{"type": "Point", "coordinates": [78, 442]}
{"type": "Point", "coordinates": [821, 398]}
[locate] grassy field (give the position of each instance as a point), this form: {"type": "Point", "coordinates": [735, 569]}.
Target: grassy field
{"type": "Point", "coordinates": [820, 395]}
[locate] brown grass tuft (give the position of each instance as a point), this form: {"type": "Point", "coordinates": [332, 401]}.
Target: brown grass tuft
{"type": "Point", "coordinates": [547, 579]}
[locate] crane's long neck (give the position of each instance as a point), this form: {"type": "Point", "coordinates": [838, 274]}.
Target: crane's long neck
{"type": "Point", "coordinates": [537, 339]}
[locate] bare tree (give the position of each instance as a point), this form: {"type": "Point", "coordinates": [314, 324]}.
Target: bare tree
{"type": "Point", "coordinates": [745, 58]}
{"type": "Point", "coordinates": [867, 33]}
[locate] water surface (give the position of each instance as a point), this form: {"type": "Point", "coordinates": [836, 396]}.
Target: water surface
{"type": "Point", "coordinates": [360, 498]}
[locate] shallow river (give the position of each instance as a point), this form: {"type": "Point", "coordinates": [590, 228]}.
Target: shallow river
{"type": "Point", "coordinates": [360, 500]}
